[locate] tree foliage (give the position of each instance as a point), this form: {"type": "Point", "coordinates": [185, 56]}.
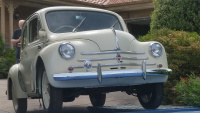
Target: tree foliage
{"type": "Point", "coordinates": [177, 15]}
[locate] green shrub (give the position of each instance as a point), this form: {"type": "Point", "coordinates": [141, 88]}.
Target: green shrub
{"type": "Point", "coordinates": [3, 68]}
{"type": "Point", "coordinates": [176, 15]}
{"type": "Point", "coordinates": [188, 91]}
{"type": "Point", "coordinates": [1, 45]}
{"type": "Point", "coordinates": [6, 61]}
{"type": "Point", "coordinates": [183, 56]}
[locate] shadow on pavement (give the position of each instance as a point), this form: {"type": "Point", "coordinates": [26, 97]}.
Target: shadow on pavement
{"type": "Point", "coordinates": [110, 110]}
{"type": "Point", "coordinates": [91, 109]}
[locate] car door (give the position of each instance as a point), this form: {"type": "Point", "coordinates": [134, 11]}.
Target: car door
{"type": "Point", "coordinates": [34, 45]}
{"type": "Point", "coordinates": [23, 56]}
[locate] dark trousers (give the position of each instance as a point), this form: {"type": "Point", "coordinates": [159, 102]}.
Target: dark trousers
{"type": "Point", "coordinates": [17, 60]}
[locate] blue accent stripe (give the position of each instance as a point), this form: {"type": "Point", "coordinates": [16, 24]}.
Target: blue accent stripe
{"type": "Point", "coordinates": [74, 78]}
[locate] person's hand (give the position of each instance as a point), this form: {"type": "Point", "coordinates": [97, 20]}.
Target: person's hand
{"type": "Point", "coordinates": [19, 39]}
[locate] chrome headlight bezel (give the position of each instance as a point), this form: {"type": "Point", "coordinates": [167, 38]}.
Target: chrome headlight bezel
{"type": "Point", "coordinates": [156, 49]}
{"type": "Point", "coordinates": [66, 50]}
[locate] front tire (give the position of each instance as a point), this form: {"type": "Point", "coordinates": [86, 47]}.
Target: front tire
{"type": "Point", "coordinates": [97, 100]}
{"type": "Point", "coordinates": [151, 96]}
{"type": "Point", "coordinates": [52, 98]}
{"type": "Point", "coordinates": [20, 105]}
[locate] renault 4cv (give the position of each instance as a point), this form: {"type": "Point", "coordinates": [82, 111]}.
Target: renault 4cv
{"type": "Point", "coordinates": [71, 51]}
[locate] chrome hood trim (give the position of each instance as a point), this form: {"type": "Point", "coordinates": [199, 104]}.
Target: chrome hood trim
{"type": "Point", "coordinates": [98, 37]}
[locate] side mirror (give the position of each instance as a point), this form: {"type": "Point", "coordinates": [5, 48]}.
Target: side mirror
{"type": "Point", "coordinates": [42, 33]}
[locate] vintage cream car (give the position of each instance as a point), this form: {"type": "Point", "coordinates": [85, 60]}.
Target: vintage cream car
{"type": "Point", "coordinates": [71, 51]}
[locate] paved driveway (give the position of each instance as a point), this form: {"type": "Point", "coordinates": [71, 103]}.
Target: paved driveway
{"type": "Point", "coordinates": [116, 102]}
{"type": "Point", "coordinates": [81, 104]}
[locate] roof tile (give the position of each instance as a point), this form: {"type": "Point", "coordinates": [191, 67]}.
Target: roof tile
{"type": "Point", "coordinates": [107, 2]}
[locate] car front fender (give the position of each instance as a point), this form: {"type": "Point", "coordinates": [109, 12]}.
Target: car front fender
{"type": "Point", "coordinates": [13, 79]}
{"type": "Point", "coordinates": [144, 47]}
{"type": "Point", "coordinates": [54, 63]}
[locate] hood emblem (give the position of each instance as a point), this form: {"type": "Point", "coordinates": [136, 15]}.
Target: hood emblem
{"type": "Point", "coordinates": [116, 40]}
{"type": "Point", "coordinates": [119, 58]}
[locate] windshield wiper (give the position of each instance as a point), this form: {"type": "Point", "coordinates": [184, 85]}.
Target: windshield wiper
{"type": "Point", "coordinates": [78, 25]}
{"type": "Point", "coordinates": [114, 24]}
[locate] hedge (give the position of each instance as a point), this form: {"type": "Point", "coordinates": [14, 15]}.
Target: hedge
{"type": "Point", "coordinates": [7, 59]}
{"type": "Point", "coordinates": [183, 55]}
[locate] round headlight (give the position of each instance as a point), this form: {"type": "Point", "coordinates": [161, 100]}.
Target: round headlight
{"type": "Point", "coordinates": [66, 50]}
{"type": "Point", "coordinates": [155, 49]}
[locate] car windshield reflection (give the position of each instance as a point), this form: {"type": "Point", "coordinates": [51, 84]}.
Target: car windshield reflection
{"type": "Point", "coordinates": [69, 21]}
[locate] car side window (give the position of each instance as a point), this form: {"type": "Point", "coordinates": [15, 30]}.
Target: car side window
{"type": "Point", "coordinates": [34, 28]}
{"type": "Point", "coordinates": [24, 38]}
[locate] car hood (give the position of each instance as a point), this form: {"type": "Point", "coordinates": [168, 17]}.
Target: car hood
{"type": "Point", "coordinates": [105, 39]}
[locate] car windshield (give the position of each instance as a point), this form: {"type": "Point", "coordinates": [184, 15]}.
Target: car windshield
{"type": "Point", "coordinates": [75, 21]}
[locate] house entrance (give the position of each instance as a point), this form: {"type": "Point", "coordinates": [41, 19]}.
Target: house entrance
{"type": "Point", "coordinates": [138, 26]}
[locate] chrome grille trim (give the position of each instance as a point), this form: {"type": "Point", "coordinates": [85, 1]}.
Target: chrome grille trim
{"type": "Point", "coordinates": [111, 65]}
{"type": "Point", "coordinates": [111, 52]}
{"type": "Point", "coordinates": [117, 64]}
{"type": "Point", "coordinates": [113, 58]}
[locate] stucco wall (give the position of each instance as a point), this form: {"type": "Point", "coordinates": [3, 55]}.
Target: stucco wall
{"type": "Point", "coordinates": [136, 13]}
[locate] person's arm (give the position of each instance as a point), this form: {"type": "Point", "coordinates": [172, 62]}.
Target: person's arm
{"type": "Point", "coordinates": [14, 41]}
{"type": "Point", "coordinates": [15, 38]}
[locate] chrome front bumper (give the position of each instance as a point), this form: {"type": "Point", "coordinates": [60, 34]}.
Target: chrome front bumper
{"type": "Point", "coordinates": [110, 74]}
{"type": "Point", "coordinates": [111, 78]}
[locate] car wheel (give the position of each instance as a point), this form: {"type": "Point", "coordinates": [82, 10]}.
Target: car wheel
{"type": "Point", "coordinates": [20, 105]}
{"type": "Point", "coordinates": [97, 100]}
{"type": "Point", "coordinates": [52, 98]}
{"type": "Point", "coordinates": [150, 96]}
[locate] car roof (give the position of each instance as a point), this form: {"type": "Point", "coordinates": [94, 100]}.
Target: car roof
{"type": "Point", "coordinates": [73, 8]}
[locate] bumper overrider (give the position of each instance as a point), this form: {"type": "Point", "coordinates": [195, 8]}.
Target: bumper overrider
{"type": "Point", "coordinates": [112, 78]}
